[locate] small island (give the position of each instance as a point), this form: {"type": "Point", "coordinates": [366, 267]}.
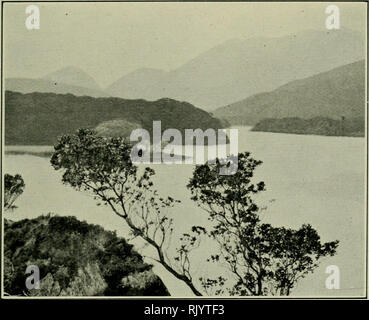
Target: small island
{"type": "Point", "coordinates": [352, 127]}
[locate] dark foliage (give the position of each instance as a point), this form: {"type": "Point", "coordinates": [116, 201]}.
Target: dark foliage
{"type": "Point", "coordinates": [102, 166]}
{"type": "Point", "coordinates": [264, 260]}
{"type": "Point", "coordinates": [74, 258]}
{"type": "Point", "coordinates": [13, 188]}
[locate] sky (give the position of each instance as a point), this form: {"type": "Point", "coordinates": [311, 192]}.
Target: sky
{"type": "Point", "coordinates": [108, 40]}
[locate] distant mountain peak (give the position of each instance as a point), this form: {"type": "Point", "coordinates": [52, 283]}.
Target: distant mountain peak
{"type": "Point", "coordinates": [72, 75]}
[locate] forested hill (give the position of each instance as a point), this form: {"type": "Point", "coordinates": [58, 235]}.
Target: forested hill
{"type": "Point", "coordinates": [75, 259]}
{"type": "Point", "coordinates": [39, 118]}
{"type": "Point", "coordinates": [354, 127]}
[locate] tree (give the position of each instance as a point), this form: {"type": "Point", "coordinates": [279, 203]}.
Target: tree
{"type": "Point", "coordinates": [103, 167]}
{"type": "Point", "coordinates": [261, 258]}
{"type": "Point", "coordinates": [13, 188]}
{"type": "Point", "coordinates": [264, 260]}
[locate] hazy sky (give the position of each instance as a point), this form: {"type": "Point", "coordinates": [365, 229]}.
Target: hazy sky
{"type": "Point", "coordinates": [108, 40]}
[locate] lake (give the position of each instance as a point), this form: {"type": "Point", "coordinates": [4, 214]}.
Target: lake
{"type": "Point", "coordinates": [309, 179]}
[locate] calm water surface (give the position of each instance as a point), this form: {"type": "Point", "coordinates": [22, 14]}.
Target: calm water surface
{"type": "Point", "coordinates": [309, 179]}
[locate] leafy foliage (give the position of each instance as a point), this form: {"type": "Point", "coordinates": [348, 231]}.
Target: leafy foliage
{"type": "Point", "coordinates": [13, 188]}
{"type": "Point", "coordinates": [103, 167]}
{"type": "Point", "coordinates": [75, 258]}
{"type": "Point", "coordinates": [263, 259]}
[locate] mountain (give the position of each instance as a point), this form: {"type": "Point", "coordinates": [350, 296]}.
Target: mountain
{"type": "Point", "coordinates": [73, 76]}
{"type": "Point", "coordinates": [226, 73]}
{"type": "Point", "coordinates": [237, 69]}
{"type": "Point", "coordinates": [337, 93]}
{"type": "Point", "coordinates": [142, 81]}
{"type": "Point", "coordinates": [39, 118]}
{"type": "Point", "coordinates": [66, 80]}
{"type": "Point", "coordinates": [354, 127]}
{"type": "Point", "coordinates": [75, 259]}
{"type": "Point", "coordinates": [25, 85]}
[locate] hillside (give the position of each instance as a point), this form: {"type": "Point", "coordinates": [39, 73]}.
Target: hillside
{"type": "Point", "coordinates": [337, 93]}
{"type": "Point", "coordinates": [316, 126]}
{"type": "Point", "coordinates": [239, 68]}
{"type": "Point", "coordinates": [39, 118]}
{"type": "Point", "coordinates": [75, 259]}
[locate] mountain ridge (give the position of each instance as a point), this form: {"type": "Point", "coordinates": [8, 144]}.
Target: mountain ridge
{"type": "Point", "coordinates": [334, 93]}
{"type": "Point", "coordinates": [40, 118]}
{"type": "Point", "coordinates": [228, 72]}
{"type": "Point", "coordinates": [234, 70]}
